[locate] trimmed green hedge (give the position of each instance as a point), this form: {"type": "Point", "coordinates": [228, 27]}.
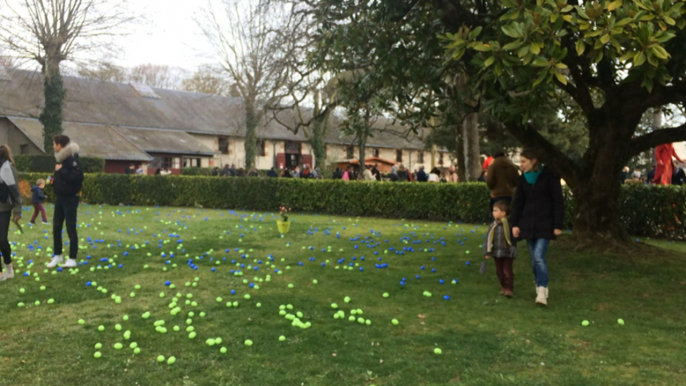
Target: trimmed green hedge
{"type": "Point", "coordinates": [197, 171]}
{"type": "Point", "coordinates": [646, 210]}
{"type": "Point", "coordinates": [46, 163]}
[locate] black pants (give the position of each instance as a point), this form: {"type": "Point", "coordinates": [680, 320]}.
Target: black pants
{"type": "Point", "coordinates": [5, 247]}
{"type": "Point", "coordinates": [65, 209]}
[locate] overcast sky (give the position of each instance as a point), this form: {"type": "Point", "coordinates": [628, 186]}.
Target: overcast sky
{"type": "Point", "coordinates": [170, 35]}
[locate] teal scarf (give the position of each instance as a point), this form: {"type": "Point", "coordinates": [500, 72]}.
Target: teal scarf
{"type": "Point", "coordinates": [532, 177]}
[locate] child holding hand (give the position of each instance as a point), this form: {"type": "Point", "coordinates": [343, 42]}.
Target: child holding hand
{"type": "Point", "coordinates": [500, 244]}
{"type": "Point", "coordinates": [37, 199]}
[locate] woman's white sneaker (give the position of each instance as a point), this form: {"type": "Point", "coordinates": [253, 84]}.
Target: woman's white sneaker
{"type": "Point", "coordinates": [9, 271]}
{"type": "Point", "coordinates": [55, 260]}
{"type": "Point", "coordinates": [71, 263]}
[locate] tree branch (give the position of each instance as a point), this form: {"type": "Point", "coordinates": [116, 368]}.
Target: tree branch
{"type": "Point", "coordinates": [658, 137]}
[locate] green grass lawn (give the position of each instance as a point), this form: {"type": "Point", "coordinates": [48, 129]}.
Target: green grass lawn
{"type": "Point", "coordinates": [485, 339]}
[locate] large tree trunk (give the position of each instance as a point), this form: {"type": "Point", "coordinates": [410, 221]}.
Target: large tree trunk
{"type": "Point", "coordinates": [319, 129]}
{"type": "Point", "coordinates": [459, 156]}
{"type": "Point", "coordinates": [363, 150]}
{"type": "Point", "coordinates": [594, 180]}
{"type": "Point", "coordinates": [51, 116]}
{"type": "Point", "coordinates": [470, 141]}
{"type": "Point", "coordinates": [251, 121]}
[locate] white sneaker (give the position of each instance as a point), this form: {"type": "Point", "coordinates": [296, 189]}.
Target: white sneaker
{"type": "Point", "coordinates": [71, 263]}
{"type": "Point", "coordinates": [9, 271]}
{"type": "Point", "coordinates": [540, 296]}
{"type": "Point", "coordinates": [55, 260]}
{"type": "Point", "coordinates": [45, 223]}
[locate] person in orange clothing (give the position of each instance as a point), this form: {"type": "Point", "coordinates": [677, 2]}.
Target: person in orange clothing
{"type": "Point", "coordinates": [665, 167]}
{"type": "Point", "coordinates": [487, 162]}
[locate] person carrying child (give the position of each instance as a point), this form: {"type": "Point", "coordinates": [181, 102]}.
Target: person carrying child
{"type": "Point", "coordinates": [37, 199]}
{"type": "Point", "coordinates": [500, 244]}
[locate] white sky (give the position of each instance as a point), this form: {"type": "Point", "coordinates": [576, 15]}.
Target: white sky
{"type": "Point", "coordinates": [169, 36]}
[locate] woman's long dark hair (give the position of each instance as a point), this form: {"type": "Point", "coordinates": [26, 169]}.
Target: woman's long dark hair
{"type": "Point", "coordinates": [6, 154]}
{"type": "Point", "coordinates": [532, 154]}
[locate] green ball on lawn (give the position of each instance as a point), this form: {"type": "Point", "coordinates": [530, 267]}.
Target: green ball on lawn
{"type": "Point", "coordinates": [171, 360]}
{"type": "Point", "coordinates": [82, 322]}
{"type": "Point", "coordinates": [97, 354]}
{"type": "Point", "coordinates": [223, 350]}
{"type": "Point", "coordinates": [314, 281]}
{"type": "Point", "coordinates": [395, 322]}
{"type": "Point", "coordinates": [385, 294]}
{"type": "Point", "coordinates": [585, 323]}
{"type": "Point", "coordinates": [160, 358]}
{"type": "Point", "coordinates": [438, 351]}
{"type": "Point", "coordinates": [101, 328]}
{"type": "Point", "coordinates": [20, 304]}
{"type": "Point", "coordinates": [620, 322]}
{"type": "Point", "coordinates": [248, 342]}
{"type": "Point", "coordinates": [98, 346]}
{"type": "Point", "coordinates": [346, 299]}
{"type": "Point", "coordinates": [282, 338]}
{"type": "Point", "coordinates": [137, 350]}
{"type": "Point", "coordinates": [118, 346]}
{"type": "Point", "coordinates": [191, 335]}
{"type": "Point", "coordinates": [290, 285]}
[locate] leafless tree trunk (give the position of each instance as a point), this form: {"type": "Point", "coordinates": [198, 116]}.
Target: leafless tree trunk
{"type": "Point", "coordinates": [470, 141]}
{"type": "Point", "coordinates": [251, 53]}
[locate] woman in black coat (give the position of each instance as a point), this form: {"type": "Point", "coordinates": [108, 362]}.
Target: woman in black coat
{"type": "Point", "coordinates": [538, 215]}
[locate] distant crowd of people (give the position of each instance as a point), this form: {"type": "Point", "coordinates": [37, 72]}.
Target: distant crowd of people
{"type": "Point", "coordinates": [297, 172]}
{"type": "Point", "coordinates": [397, 173]}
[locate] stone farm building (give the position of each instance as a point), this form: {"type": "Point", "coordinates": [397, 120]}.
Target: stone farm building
{"type": "Point", "coordinates": [127, 123]}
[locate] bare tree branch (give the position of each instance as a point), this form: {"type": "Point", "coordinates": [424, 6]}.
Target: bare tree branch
{"type": "Point", "coordinates": [658, 137]}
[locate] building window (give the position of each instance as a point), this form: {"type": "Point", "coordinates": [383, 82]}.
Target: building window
{"type": "Point", "coordinates": [191, 162]}
{"type": "Point", "coordinates": [260, 148]}
{"type": "Point", "coordinates": [440, 158]}
{"type": "Point", "coordinates": [171, 163]}
{"type": "Point", "coordinates": [24, 149]}
{"type": "Point", "coordinates": [224, 145]}
{"type": "Point", "coordinates": [420, 157]}
{"type": "Point", "coordinates": [375, 152]}
{"type": "Point", "coordinates": [292, 147]}
{"type": "Point", "coordinates": [398, 156]}
{"type": "Point", "coordinates": [350, 152]}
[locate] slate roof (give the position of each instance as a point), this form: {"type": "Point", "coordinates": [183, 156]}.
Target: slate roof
{"type": "Point", "coordinates": [93, 139]}
{"type": "Point", "coordinates": [120, 105]}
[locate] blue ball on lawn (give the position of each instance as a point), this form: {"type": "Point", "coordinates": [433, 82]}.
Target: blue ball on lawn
{"type": "Point", "coordinates": [167, 283]}
{"type": "Point", "coordinates": [467, 263]}
{"type": "Point", "coordinates": [446, 297]}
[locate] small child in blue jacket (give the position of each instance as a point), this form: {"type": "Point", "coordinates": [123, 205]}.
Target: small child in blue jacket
{"type": "Point", "coordinates": [37, 199]}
